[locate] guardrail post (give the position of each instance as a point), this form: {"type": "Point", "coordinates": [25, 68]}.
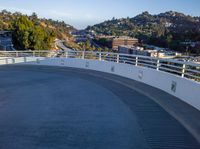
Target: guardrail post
{"type": "Point", "coordinates": [183, 70]}
{"type": "Point", "coordinates": [158, 64]}
{"type": "Point", "coordinates": [25, 60]}
{"type": "Point", "coordinates": [13, 60]}
{"type": "Point", "coordinates": [66, 54]}
{"type": "Point", "coordinates": [136, 61]}
{"type": "Point", "coordinates": [6, 61]}
{"type": "Point", "coordinates": [17, 54]}
{"type": "Point", "coordinates": [83, 55]}
{"type": "Point", "coordinates": [33, 53]}
{"type": "Point", "coordinates": [100, 56]}
{"type": "Point", "coordinates": [117, 58]}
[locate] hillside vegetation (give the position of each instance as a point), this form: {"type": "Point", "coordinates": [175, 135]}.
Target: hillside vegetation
{"type": "Point", "coordinates": [167, 29]}
{"type": "Point", "coordinates": [31, 32]}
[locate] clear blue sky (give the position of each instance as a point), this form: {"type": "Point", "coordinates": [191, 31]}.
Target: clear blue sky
{"type": "Point", "coordinates": [81, 13]}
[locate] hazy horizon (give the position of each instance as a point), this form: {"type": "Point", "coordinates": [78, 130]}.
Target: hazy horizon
{"type": "Point", "coordinates": [80, 14]}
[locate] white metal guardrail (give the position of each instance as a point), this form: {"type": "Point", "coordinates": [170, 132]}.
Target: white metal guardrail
{"type": "Point", "coordinates": [184, 69]}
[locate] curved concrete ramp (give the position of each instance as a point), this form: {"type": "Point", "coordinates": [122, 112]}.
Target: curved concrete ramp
{"type": "Point", "coordinates": [65, 108]}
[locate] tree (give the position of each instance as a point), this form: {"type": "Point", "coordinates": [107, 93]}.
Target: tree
{"type": "Point", "coordinates": [93, 48]}
{"type": "Point", "coordinates": [113, 19]}
{"type": "Point", "coordinates": [22, 27]}
{"type": "Point", "coordinates": [87, 45]}
{"type": "Point", "coordinates": [28, 35]}
{"type": "Point", "coordinates": [169, 40]}
{"type": "Point", "coordinates": [4, 11]}
{"type": "Point", "coordinates": [106, 49]}
{"type": "Point", "coordinates": [25, 39]}
{"type": "Point", "coordinates": [34, 18]}
{"type": "Point", "coordinates": [99, 49]}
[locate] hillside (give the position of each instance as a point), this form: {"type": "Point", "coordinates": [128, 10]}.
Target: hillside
{"type": "Point", "coordinates": [167, 29]}
{"type": "Point", "coordinates": [31, 32]}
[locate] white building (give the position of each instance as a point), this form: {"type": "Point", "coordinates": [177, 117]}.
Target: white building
{"type": "Point", "coordinates": [152, 53]}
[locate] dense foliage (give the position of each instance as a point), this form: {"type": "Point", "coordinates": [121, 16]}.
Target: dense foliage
{"type": "Point", "coordinates": [31, 32]}
{"type": "Point", "coordinates": [168, 29]}
{"type": "Point", "coordinates": [26, 35]}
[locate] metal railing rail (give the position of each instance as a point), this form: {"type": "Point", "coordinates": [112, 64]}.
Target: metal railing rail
{"type": "Point", "coordinates": [184, 69]}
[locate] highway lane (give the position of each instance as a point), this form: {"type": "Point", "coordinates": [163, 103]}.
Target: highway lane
{"type": "Point", "coordinates": [61, 45]}
{"type": "Point", "coordinates": [59, 108]}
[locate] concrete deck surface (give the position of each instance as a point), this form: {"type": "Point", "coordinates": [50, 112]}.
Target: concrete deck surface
{"type": "Point", "coordinates": [64, 108]}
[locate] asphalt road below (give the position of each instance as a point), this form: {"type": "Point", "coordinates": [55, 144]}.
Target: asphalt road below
{"type": "Point", "coordinates": [65, 108]}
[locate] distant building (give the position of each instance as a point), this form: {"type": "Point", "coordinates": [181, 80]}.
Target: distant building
{"type": "Point", "coordinates": [137, 51]}
{"type": "Point", "coordinates": [151, 53]}
{"type": "Point", "coordinates": [114, 42]}
{"type": "Point", "coordinates": [152, 47]}
{"type": "Point", "coordinates": [192, 44]}
{"type": "Point", "coordinates": [123, 40]}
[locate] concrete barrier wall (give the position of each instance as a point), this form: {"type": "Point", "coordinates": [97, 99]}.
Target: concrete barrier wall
{"type": "Point", "coordinates": [182, 88]}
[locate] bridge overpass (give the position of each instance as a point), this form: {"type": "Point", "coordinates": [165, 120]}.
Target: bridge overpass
{"type": "Point", "coordinates": [97, 100]}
